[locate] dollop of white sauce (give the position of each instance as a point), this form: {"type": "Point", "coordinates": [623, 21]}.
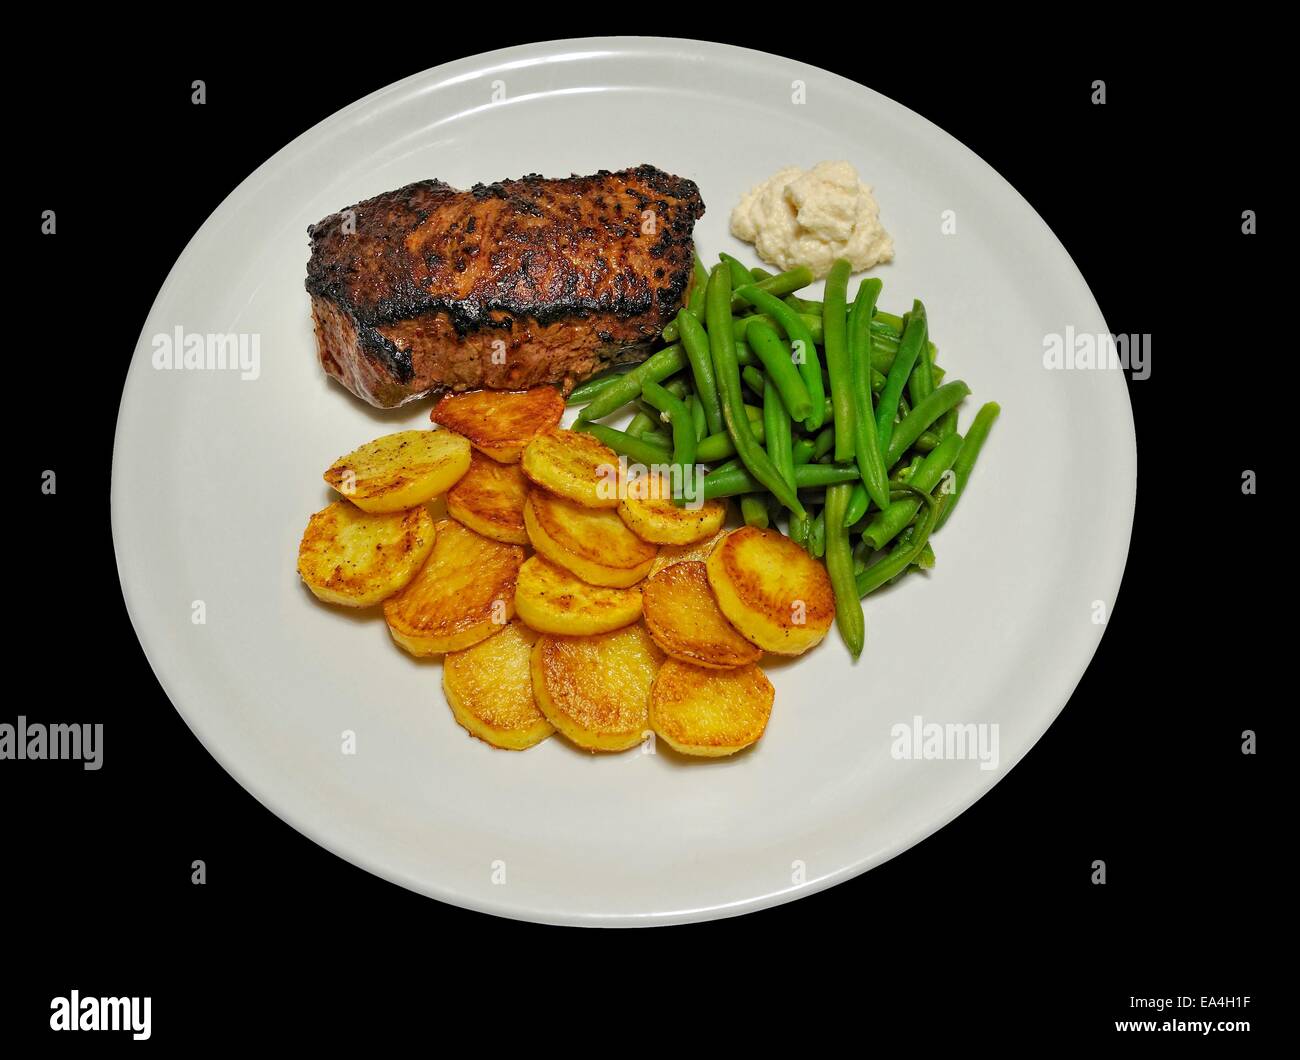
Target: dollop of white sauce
{"type": "Point", "coordinates": [811, 217]}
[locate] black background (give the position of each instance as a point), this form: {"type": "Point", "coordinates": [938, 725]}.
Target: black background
{"type": "Point", "coordinates": [990, 926]}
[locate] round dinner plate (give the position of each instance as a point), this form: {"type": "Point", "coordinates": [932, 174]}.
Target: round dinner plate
{"type": "Point", "coordinates": [316, 712]}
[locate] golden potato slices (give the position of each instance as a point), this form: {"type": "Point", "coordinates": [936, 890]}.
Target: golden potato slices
{"type": "Point", "coordinates": [574, 465]}
{"type": "Point", "coordinates": [552, 600]}
{"type": "Point", "coordinates": [770, 589]}
{"type": "Point", "coordinates": [683, 617]}
{"type": "Point", "coordinates": [356, 559]}
{"type": "Point", "coordinates": [489, 687]}
{"type": "Point", "coordinates": [709, 712]}
{"type": "Point", "coordinates": [463, 594]}
{"type": "Point", "coordinates": [593, 543]}
{"type": "Point", "coordinates": [596, 690]}
{"type": "Point", "coordinates": [648, 509]}
{"type": "Point", "coordinates": [670, 554]}
{"type": "Point", "coordinates": [400, 470]}
{"type": "Point", "coordinates": [489, 499]}
{"type": "Point", "coordinates": [500, 423]}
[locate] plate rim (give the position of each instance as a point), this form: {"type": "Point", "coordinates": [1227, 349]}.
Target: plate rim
{"type": "Point", "coordinates": [544, 51]}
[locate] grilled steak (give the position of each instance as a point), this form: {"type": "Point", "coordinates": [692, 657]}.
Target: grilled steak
{"type": "Point", "coordinates": [506, 285]}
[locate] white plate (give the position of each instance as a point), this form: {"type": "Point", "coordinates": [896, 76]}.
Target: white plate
{"type": "Point", "coordinates": [214, 477]}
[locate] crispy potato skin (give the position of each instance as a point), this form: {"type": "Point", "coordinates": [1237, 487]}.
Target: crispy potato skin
{"type": "Point", "coordinates": [670, 554]}
{"type": "Point", "coordinates": [464, 593]}
{"type": "Point", "coordinates": [499, 423]}
{"type": "Point", "coordinates": [711, 713]}
{"type": "Point", "coordinates": [574, 466]}
{"type": "Point", "coordinates": [489, 499]}
{"type": "Point", "coordinates": [647, 508]}
{"type": "Point", "coordinates": [401, 470]}
{"type": "Point", "coordinates": [596, 690]}
{"type": "Point", "coordinates": [489, 687]}
{"type": "Point", "coordinates": [592, 543]}
{"type": "Point", "coordinates": [358, 559]}
{"type": "Point", "coordinates": [771, 590]}
{"type": "Point", "coordinates": [552, 600]}
{"type": "Point", "coordinates": [683, 617]}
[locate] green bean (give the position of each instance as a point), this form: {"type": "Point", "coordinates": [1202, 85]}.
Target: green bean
{"type": "Point", "coordinates": [584, 392]}
{"type": "Point", "coordinates": [760, 274]}
{"type": "Point", "coordinates": [679, 418]}
{"type": "Point", "coordinates": [727, 372]}
{"type": "Point", "coordinates": [929, 439]}
{"type": "Point", "coordinates": [699, 288]}
{"type": "Point", "coordinates": [836, 348]}
{"type": "Point", "coordinates": [913, 339]}
{"type": "Point", "coordinates": [694, 304]}
{"type": "Point", "coordinates": [911, 426]}
{"type": "Point", "coordinates": [947, 425]}
{"type": "Point", "coordinates": [891, 522]}
{"type": "Point", "coordinates": [642, 450]}
{"type": "Point", "coordinates": [628, 387]}
{"type": "Point", "coordinates": [739, 324]}
{"type": "Point", "coordinates": [926, 560]}
{"type": "Point", "coordinates": [641, 422]}
{"type": "Point", "coordinates": [901, 556]}
{"type": "Point", "coordinates": [810, 367]}
{"type": "Point", "coordinates": [753, 509]}
{"type": "Point", "coordinates": [905, 473]}
{"type": "Point", "coordinates": [743, 355]}
{"type": "Point", "coordinates": [735, 481]}
{"type": "Point", "coordinates": [698, 420]}
{"type": "Point", "coordinates": [871, 463]}
{"type": "Point", "coordinates": [779, 444]}
{"type": "Point", "coordinates": [775, 357]}
{"type": "Point", "coordinates": [970, 451]}
{"type": "Point", "coordinates": [659, 436]}
{"type": "Point", "coordinates": [817, 535]}
{"type": "Point", "coordinates": [696, 344]}
{"type": "Point", "coordinates": [677, 387]}
{"type": "Point", "coordinates": [823, 443]}
{"type": "Point", "coordinates": [719, 446]}
{"type": "Point", "coordinates": [739, 272]}
{"type": "Point", "coordinates": [802, 450]}
{"type": "Point", "coordinates": [889, 320]}
{"type": "Point", "coordinates": [753, 379]}
{"type": "Point", "coordinates": [839, 563]}
{"type": "Point", "coordinates": [782, 283]}
{"type": "Point", "coordinates": [921, 382]}
{"type": "Point", "coordinates": [859, 500]}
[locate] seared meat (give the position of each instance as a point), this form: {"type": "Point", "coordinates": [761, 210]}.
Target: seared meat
{"type": "Point", "coordinates": [506, 285]}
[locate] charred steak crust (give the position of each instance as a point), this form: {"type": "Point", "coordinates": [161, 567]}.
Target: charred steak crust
{"type": "Point", "coordinates": [419, 289]}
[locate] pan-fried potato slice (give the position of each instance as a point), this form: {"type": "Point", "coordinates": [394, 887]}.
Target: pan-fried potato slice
{"type": "Point", "coordinates": [489, 687]}
{"type": "Point", "coordinates": [596, 690]}
{"type": "Point", "coordinates": [593, 543]}
{"type": "Point", "coordinates": [574, 465]}
{"type": "Point", "coordinates": [464, 593]}
{"type": "Point", "coordinates": [552, 600]}
{"type": "Point", "coordinates": [500, 423]}
{"type": "Point", "coordinates": [770, 589]}
{"type": "Point", "coordinates": [709, 712]}
{"type": "Point", "coordinates": [356, 559]}
{"type": "Point", "coordinates": [400, 470]}
{"type": "Point", "coordinates": [648, 509]}
{"type": "Point", "coordinates": [684, 619]}
{"type": "Point", "coordinates": [489, 499]}
{"type": "Point", "coordinates": [670, 554]}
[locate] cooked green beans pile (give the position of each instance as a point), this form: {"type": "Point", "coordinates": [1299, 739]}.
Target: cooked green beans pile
{"type": "Point", "coordinates": [833, 411]}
